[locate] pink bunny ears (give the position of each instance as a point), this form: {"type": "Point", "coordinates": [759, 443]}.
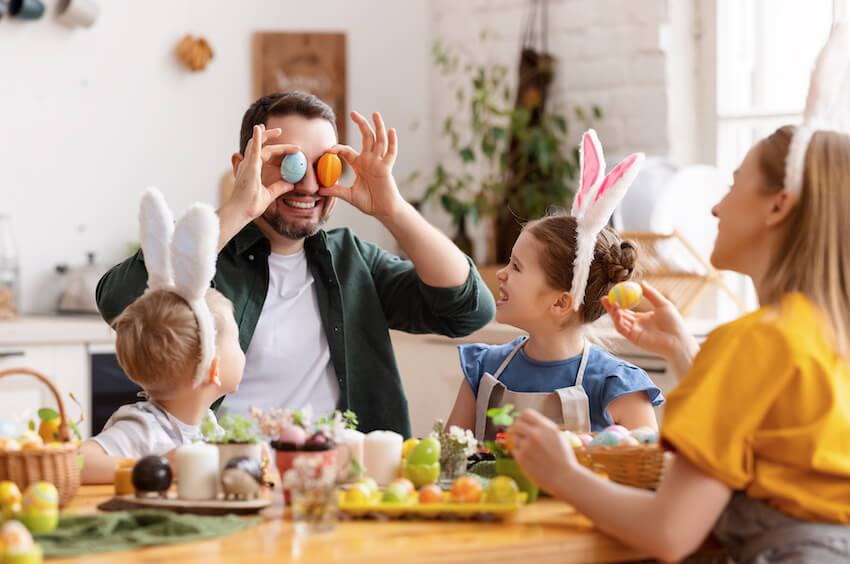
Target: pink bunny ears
{"type": "Point", "coordinates": [826, 104]}
{"type": "Point", "coordinates": [594, 203]}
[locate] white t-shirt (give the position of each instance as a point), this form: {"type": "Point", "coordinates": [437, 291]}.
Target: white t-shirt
{"type": "Point", "coordinates": [143, 428]}
{"type": "Point", "coordinates": [288, 363]}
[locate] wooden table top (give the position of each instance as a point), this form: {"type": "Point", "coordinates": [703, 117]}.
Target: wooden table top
{"type": "Point", "coordinates": [546, 531]}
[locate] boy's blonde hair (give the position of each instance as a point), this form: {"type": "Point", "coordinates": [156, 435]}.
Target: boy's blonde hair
{"type": "Point", "coordinates": [157, 340]}
{"type": "Point", "coordinates": [613, 260]}
{"type": "Point", "coordinates": [814, 254]}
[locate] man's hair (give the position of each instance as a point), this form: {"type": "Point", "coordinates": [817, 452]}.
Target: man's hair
{"type": "Point", "coordinates": [157, 340]}
{"type": "Point", "coordinates": [283, 104]}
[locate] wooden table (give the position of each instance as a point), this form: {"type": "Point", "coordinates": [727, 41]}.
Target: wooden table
{"type": "Point", "coordinates": [546, 531]}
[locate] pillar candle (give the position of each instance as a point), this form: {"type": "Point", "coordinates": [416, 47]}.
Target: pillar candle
{"type": "Point", "coordinates": [382, 456]}
{"type": "Point", "coordinates": [197, 471]}
{"type": "Point", "coordinates": [353, 440]}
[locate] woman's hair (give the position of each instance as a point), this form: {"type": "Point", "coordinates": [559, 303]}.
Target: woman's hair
{"type": "Point", "coordinates": [157, 340]}
{"type": "Point", "coordinates": [813, 256]}
{"type": "Point", "coordinates": [613, 260]}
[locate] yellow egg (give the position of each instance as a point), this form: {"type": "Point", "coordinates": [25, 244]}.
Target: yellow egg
{"type": "Point", "coordinates": [408, 445]}
{"type": "Point", "coordinates": [573, 439]}
{"type": "Point", "coordinates": [30, 441]}
{"type": "Point", "coordinates": [626, 294]}
{"type": "Point", "coordinates": [40, 497]}
{"type": "Point", "coordinates": [9, 444]}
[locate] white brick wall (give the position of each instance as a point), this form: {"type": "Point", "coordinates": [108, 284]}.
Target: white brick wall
{"type": "Point", "coordinates": [609, 54]}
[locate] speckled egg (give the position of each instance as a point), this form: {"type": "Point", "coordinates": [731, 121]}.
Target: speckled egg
{"type": "Point", "coordinates": [15, 538]}
{"type": "Point", "coordinates": [644, 434]}
{"type": "Point", "coordinates": [328, 169]}
{"type": "Point", "coordinates": [607, 438]}
{"type": "Point", "coordinates": [294, 167]}
{"type": "Point", "coordinates": [626, 294]}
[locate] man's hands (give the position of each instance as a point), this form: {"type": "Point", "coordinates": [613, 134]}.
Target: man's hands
{"type": "Point", "coordinates": [374, 191]}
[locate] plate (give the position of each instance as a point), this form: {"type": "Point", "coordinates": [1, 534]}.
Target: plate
{"type": "Point", "coordinates": [413, 508]}
{"type": "Point", "coordinates": [173, 503]}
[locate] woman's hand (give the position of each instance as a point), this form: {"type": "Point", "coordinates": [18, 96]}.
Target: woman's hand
{"type": "Point", "coordinates": [542, 450]}
{"type": "Point", "coordinates": [661, 331]}
{"type": "Point", "coordinates": [374, 191]}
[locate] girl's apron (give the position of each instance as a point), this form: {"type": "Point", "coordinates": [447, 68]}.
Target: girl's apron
{"type": "Point", "coordinates": [568, 406]}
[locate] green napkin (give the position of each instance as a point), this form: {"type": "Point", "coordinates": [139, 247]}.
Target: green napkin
{"type": "Point", "coordinates": [125, 530]}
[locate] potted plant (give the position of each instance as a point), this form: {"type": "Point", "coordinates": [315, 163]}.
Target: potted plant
{"type": "Point", "coordinates": [234, 436]}
{"type": "Point", "coordinates": [501, 449]}
{"type": "Point", "coordinates": [515, 159]}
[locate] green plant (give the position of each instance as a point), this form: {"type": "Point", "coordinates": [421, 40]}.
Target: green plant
{"type": "Point", "coordinates": [503, 416]}
{"type": "Point", "coordinates": [516, 160]}
{"type": "Point", "coordinates": [230, 429]}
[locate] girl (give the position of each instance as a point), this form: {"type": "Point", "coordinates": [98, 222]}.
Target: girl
{"type": "Point", "coordinates": [557, 264]}
{"type": "Point", "coordinates": [760, 422]}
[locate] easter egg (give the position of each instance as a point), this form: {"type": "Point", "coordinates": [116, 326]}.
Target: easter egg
{"type": "Point", "coordinates": [328, 169]}
{"type": "Point", "coordinates": [151, 474]}
{"type": "Point", "coordinates": [395, 493]}
{"type": "Point", "coordinates": [585, 438]}
{"type": "Point", "coordinates": [10, 500]}
{"type": "Point", "coordinates": [406, 484]}
{"type": "Point", "coordinates": [606, 438]}
{"type": "Point", "coordinates": [40, 497]}
{"type": "Point", "coordinates": [408, 446]}
{"type": "Point", "coordinates": [30, 441]}
{"type": "Point", "coordinates": [357, 495]}
{"type": "Point", "coordinates": [426, 452]}
{"type": "Point", "coordinates": [370, 484]}
{"type": "Point", "coordinates": [15, 538]}
{"type": "Point", "coordinates": [48, 430]}
{"type": "Point", "coordinates": [644, 434]}
{"type": "Point", "coordinates": [626, 294]}
{"type": "Point", "coordinates": [293, 434]}
{"type": "Point", "coordinates": [7, 443]}
{"type": "Point", "coordinates": [431, 494]}
{"type": "Point", "coordinates": [466, 489]}
{"type": "Point", "coordinates": [619, 429]}
{"type": "Point", "coordinates": [502, 489]}
{"type": "Point", "coordinates": [294, 167]}
{"type": "Point", "coordinates": [572, 439]}
{"type": "Point", "coordinates": [8, 429]}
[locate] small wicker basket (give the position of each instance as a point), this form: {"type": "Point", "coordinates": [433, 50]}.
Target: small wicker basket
{"type": "Point", "coordinates": [639, 466]}
{"type": "Point", "coordinates": [57, 465]}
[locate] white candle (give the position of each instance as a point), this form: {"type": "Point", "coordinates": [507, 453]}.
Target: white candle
{"type": "Point", "coordinates": [197, 471]}
{"type": "Point", "coordinates": [382, 456]}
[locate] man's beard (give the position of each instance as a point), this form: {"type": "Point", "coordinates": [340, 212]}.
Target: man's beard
{"type": "Point", "coordinates": [295, 232]}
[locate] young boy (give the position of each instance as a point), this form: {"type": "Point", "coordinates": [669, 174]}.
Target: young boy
{"type": "Point", "coordinates": [158, 346]}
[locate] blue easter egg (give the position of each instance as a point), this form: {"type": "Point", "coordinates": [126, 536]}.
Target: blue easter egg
{"type": "Point", "coordinates": [8, 429]}
{"type": "Point", "coordinates": [294, 167]}
{"type": "Point", "coordinates": [607, 438]}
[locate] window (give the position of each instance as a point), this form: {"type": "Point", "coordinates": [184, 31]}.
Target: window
{"type": "Point", "coordinates": [765, 50]}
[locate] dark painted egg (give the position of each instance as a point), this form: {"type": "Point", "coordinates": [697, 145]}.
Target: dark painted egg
{"type": "Point", "coordinates": [318, 441]}
{"type": "Point", "coordinates": [152, 474]}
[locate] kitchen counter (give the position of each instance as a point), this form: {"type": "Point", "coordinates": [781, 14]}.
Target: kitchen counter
{"type": "Point", "coordinates": [54, 330]}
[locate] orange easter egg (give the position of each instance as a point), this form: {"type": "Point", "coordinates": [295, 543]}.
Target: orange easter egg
{"type": "Point", "coordinates": [328, 169]}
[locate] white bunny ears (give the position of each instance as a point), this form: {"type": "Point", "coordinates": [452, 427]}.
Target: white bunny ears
{"type": "Point", "coordinates": [182, 259]}
{"type": "Point", "coordinates": [827, 105]}
{"type": "Point", "coordinates": [594, 203]}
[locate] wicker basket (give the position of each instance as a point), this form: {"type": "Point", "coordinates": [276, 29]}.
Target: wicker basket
{"type": "Point", "coordinates": [639, 466]}
{"type": "Point", "coordinates": [55, 465]}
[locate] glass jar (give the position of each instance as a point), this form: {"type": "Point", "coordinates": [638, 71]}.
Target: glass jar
{"type": "Point", "coordinates": [314, 510]}
{"type": "Point", "coordinates": [9, 270]}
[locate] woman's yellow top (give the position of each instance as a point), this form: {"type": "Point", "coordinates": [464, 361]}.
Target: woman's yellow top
{"type": "Point", "coordinates": [766, 409]}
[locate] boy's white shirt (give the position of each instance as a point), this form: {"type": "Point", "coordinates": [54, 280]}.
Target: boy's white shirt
{"type": "Point", "coordinates": [144, 428]}
{"type": "Point", "coordinates": [288, 363]}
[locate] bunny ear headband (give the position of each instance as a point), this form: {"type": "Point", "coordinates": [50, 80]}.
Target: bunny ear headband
{"type": "Point", "coordinates": [827, 105]}
{"type": "Point", "coordinates": [182, 259]}
{"type": "Point", "coordinates": [594, 203]}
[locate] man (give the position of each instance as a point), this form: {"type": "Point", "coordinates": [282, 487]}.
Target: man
{"type": "Point", "coordinates": [314, 307]}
